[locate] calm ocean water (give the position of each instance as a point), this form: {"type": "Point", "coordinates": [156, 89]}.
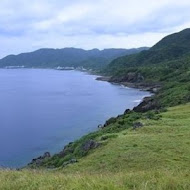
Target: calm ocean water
{"type": "Point", "coordinates": [42, 110]}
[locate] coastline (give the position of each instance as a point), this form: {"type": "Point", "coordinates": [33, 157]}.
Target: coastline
{"type": "Point", "coordinates": [148, 103]}
{"type": "Point", "coordinates": [100, 78]}
{"type": "Point", "coordinates": [145, 101]}
{"type": "Point", "coordinates": [150, 87]}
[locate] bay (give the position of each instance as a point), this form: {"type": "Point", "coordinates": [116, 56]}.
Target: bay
{"type": "Point", "coordinates": [42, 110]}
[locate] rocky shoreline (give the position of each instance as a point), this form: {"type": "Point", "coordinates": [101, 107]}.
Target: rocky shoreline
{"type": "Point", "coordinates": [151, 87]}
{"type": "Point", "coordinates": [134, 80]}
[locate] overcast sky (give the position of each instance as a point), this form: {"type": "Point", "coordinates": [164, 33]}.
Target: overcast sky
{"type": "Point", "coordinates": [27, 25]}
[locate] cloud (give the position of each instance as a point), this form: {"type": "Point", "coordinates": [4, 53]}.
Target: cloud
{"type": "Point", "coordinates": [28, 25]}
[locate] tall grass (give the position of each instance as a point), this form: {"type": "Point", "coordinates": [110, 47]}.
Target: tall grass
{"type": "Point", "coordinates": [43, 180]}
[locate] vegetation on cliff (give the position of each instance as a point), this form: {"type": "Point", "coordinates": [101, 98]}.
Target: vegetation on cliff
{"type": "Point", "coordinates": [166, 64]}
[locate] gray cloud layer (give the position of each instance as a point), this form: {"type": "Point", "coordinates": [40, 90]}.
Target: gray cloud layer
{"type": "Point", "coordinates": [28, 25]}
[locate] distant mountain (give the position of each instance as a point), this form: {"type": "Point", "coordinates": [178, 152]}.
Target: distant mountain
{"type": "Point", "coordinates": [166, 63]}
{"type": "Point", "coordinates": [67, 57]}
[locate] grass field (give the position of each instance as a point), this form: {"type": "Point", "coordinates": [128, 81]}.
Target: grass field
{"type": "Point", "coordinates": [156, 156]}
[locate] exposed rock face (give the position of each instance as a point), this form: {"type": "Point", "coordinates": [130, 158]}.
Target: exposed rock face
{"type": "Point", "coordinates": [110, 121]}
{"type": "Point", "coordinates": [89, 144]}
{"type": "Point", "coordinates": [103, 78]}
{"type": "Point", "coordinates": [131, 77]}
{"type": "Point", "coordinates": [136, 80]}
{"type": "Point", "coordinates": [47, 155]}
{"type": "Point", "coordinates": [147, 104]}
{"type": "Point", "coordinates": [100, 126]}
{"type": "Point", "coordinates": [103, 138]}
{"type": "Point", "coordinates": [127, 111]}
{"type": "Point", "coordinates": [137, 125]}
{"type": "Point", "coordinates": [72, 161]}
{"type": "Point", "coordinates": [67, 149]}
{"type": "Point", "coordinates": [38, 161]}
{"type": "Point", "coordinates": [134, 77]}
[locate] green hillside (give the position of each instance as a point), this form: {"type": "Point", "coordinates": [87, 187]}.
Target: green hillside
{"type": "Point", "coordinates": [156, 156]}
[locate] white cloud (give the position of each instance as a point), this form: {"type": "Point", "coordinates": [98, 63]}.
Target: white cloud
{"type": "Point", "coordinates": [28, 25]}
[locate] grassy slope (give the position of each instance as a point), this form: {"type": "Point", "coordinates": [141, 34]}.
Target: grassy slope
{"type": "Point", "coordinates": [156, 156]}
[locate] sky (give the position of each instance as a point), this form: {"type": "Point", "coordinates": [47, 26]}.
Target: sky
{"type": "Point", "coordinates": [27, 25]}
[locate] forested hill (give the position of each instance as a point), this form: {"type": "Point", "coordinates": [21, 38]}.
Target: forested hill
{"type": "Point", "coordinates": [67, 57]}
{"type": "Point", "coordinates": [167, 63]}
{"type": "Point", "coordinates": [171, 48]}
